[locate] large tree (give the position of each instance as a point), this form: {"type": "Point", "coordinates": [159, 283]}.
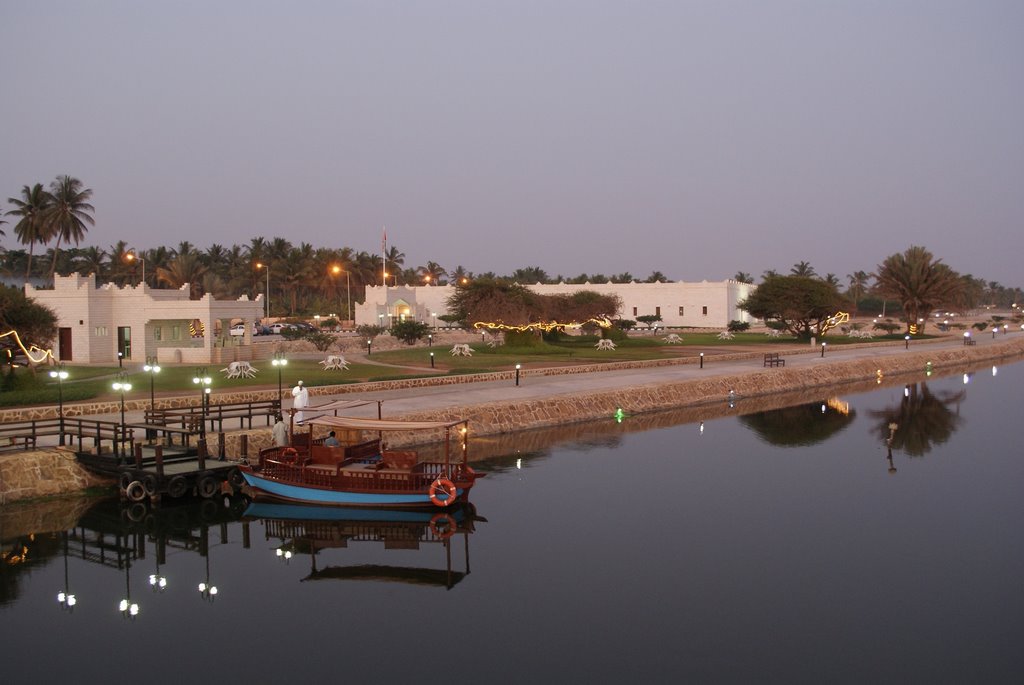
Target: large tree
{"type": "Point", "coordinates": [68, 214]}
{"type": "Point", "coordinates": [34, 323]}
{"type": "Point", "coordinates": [919, 282]}
{"type": "Point", "coordinates": [800, 303]}
{"type": "Point", "coordinates": [31, 209]}
{"type": "Point", "coordinates": [497, 301]}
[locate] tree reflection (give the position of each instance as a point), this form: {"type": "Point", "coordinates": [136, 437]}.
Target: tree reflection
{"type": "Point", "coordinates": [800, 425]}
{"type": "Point", "coordinates": [924, 419]}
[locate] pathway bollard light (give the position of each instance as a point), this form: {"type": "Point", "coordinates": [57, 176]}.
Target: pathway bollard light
{"type": "Point", "coordinates": [517, 374]}
{"type": "Point", "coordinates": [702, 360]}
{"type": "Point", "coordinates": [823, 350]}
{"type": "Point", "coordinates": [60, 374]}
{"type": "Point", "coordinates": [906, 341]}
{"type": "Point", "coordinates": [280, 362]}
{"type": "Point", "coordinates": [369, 347]}
{"type": "Point", "coordinates": [967, 338]}
{"type": "Point", "coordinates": [122, 385]}
{"type": "Point", "coordinates": [120, 360]}
{"type": "Point", "coordinates": [994, 329]}
{"type": "Point", "coordinates": [431, 360]}
{"type": "Point", "coordinates": [430, 340]}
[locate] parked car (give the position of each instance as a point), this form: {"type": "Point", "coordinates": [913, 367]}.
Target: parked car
{"type": "Point", "coordinates": [276, 328]}
{"type": "Point", "coordinates": [239, 329]}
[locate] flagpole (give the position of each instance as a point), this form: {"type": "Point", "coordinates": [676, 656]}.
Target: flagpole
{"type": "Point", "coordinates": [383, 257]}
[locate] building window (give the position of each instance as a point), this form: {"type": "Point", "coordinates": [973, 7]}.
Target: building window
{"type": "Point", "coordinates": [100, 331]}
{"type": "Point", "coordinates": [704, 311]}
{"type": "Point", "coordinates": [158, 334]}
{"type": "Point", "coordinates": [175, 332]}
{"type": "Point", "coordinates": [680, 311]}
{"type": "Point", "coordinates": [657, 311]}
{"type": "Point", "coordinates": [634, 311]}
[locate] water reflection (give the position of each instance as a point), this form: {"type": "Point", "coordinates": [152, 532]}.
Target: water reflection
{"type": "Point", "coordinates": [922, 418]}
{"type": "Point", "coordinates": [310, 531]}
{"type": "Point", "coordinates": [801, 425]}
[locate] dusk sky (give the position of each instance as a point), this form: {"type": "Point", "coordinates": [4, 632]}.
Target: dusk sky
{"type": "Point", "coordinates": [697, 138]}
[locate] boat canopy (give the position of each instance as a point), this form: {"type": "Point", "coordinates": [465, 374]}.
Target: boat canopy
{"type": "Point", "coordinates": [353, 423]}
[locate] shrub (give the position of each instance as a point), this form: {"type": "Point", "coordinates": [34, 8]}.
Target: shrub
{"type": "Point", "coordinates": [368, 331]}
{"type": "Point", "coordinates": [737, 326]}
{"type": "Point", "coordinates": [625, 324]}
{"type": "Point", "coordinates": [888, 326]}
{"type": "Point", "coordinates": [410, 331]}
{"type": "Point", "coordinates": [321, 340]}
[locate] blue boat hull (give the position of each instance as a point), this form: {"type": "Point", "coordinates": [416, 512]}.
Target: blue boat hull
{"type": "Point", "coordinates": [272, 489]}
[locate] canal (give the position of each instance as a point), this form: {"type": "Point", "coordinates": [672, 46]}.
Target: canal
{"type": "Point", "coordinates": [870, 537]}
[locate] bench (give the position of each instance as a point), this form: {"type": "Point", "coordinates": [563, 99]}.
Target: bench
{"type": "Point", "coordinates": [970, 341]}
{"type": "Point", "coordinates": [773, 359]}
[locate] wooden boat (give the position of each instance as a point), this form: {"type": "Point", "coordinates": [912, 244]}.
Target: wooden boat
{"type": "Point", "coordinates": [364, 473]}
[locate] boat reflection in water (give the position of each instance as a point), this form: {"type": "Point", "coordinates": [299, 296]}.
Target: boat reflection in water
{"type": "Point", "coordinates": [309, 530]}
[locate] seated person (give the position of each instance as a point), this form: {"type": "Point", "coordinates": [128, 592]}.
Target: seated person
{"type": "Point", "coordinates": [331, 441]}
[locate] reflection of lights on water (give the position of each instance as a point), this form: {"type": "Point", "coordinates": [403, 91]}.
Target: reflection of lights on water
{"type": "Point", "coordinates": [282, 553]}
{"type": "Point", "coordinates": [158, 582]}
{"type": "Point", "coordinates": [519, 463]}
{"type": "Point", "coordinates": [128, 608]}
{"type": "Point", "coordinates": [823, 409]}
{"type": "Point", "coordinates": [701, 429]}
{"type": "Point", "coordinates": [66, 600]}
{"type": "Point", "coordinates": [906, 391]}
{"type": "Point", "coordinates": [967, 379]}
{"type": "Point", "coordinates": [994, 370]}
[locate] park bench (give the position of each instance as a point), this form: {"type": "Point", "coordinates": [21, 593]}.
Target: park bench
{"type": "Point", "coordinates": [970, 341]}
{"type": "Point", "coordinates": [773, 359]}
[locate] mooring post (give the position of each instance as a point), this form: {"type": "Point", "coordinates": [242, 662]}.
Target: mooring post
{"type": "Point", "coordinates": [201, 453]}
{"type": "Point", "coordinates": [160, 461]}
{"type": "Point", "coordinates": [220, 446]}
{"type": "Point", "coordinates": [138, 456]}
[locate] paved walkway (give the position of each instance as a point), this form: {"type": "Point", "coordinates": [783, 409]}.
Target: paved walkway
{"type": "Point", "coordinates": [397, 402]}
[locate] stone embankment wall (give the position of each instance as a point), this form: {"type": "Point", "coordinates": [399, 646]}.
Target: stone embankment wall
{"type": "Point", "coordinates": [49, 472]}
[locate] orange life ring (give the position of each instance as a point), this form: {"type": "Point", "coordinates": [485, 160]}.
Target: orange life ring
{"type": "Point", "coordinates": [289, 454]}
{"type": "Point", "coordinates": [443, 525]}
{"type": "Point", "coordinates": [442, 492]}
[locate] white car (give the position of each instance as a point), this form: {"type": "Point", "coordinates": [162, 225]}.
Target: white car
{"type": "Point", "coordinates": [239, 329]}
{"type": "Point", "coordinates": [278, 327]}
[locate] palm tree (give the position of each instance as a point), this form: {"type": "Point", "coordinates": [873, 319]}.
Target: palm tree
{"type": "Point", "coordinates": [803, 269]}
{"type": "Point", "coordinates": [91, 260]}
{"type": "Point", "coordinates": [393, 261]}
{"type": "Point", "coordinates": [530, 275]}
{"type": "Point", "coordinates": [431, 274]}
{"type": "Point", "coordinates": [460, 275]}
{"type": "Point", "coordinates": [31, 228]}
{"type": "Point", "coordinates": [68, 214]}
{"type": "Point", "coordinates": [295, 273]}
{"type": "Point", "coordinates": [858, 285]}
{"type": "Point", "coordinates": [624, 277]}
{"type": "Point", "coordinates": [919, 282]}
{"type": "Point", "coordinates": [743, 277]}
{"type": "Point", "coordinates": [185, 268]}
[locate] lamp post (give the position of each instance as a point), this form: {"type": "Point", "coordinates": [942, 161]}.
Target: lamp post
{"type": "Point", "coordinates": [152, 368]}
{"type": "Point", "coordinates": [906, 341]}
{"type": "Point", "coordinates": [60, 374]}
{"type": "Point", "coordinates": [702, 360]}
{"type": "Point", "coordinates": [431, 360]}
{"type": "Point", "coordinates": [369, 346]}
{"type": "Point", "coordinates": [823, 350]}
{"type": "Point", "coordinates": [517, 374]}
{"type": "Point", "coordinates": [335, 270]}
{"type": "Point", "coordinates": [122, 385]}
{"type": "Point", "coordinates": [266, 303]}
{"type": "Point", "coordinates": [131, 257]}
{"type": "Point", "coordinates": [280, 362]}
{"type": "Point", "coordinates": [203, 381]}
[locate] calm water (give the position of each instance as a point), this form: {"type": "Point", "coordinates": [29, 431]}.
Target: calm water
{"type": "Point", "coordinates": [777, 547]}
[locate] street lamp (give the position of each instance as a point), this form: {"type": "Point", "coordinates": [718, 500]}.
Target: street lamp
{"type": "Point", "coordinates": [60, 374]}
{"type": "Point", "coordinates": [279, 361]}
{"type": "Point", "coordinates": [131, 257]}
{"type": "Point", "coordinates": [348, 290]}
{"type": "Point", "coordinates": [122, 385]}
{"type": "Point", "coordinates": [266, 303]}
{"type": "Point", "coordinates": [906, 341]}
{"type": "Point", "coordinates": [203, 381]}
